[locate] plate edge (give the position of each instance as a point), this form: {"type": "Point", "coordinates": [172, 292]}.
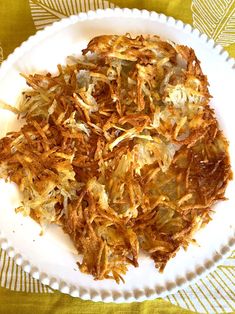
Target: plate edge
{"type": "Point", "coordinates": [137, 295]}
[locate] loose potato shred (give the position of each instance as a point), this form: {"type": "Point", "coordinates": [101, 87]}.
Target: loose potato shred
{"type": "Point", "coordinates": [122, 149]}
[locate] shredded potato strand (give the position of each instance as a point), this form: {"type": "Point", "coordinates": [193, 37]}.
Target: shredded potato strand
{"type": "Point", "coordinates": [122, 149]}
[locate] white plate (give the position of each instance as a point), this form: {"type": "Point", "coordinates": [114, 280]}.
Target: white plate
{"type": "Point", "coordinates": [52, 257]}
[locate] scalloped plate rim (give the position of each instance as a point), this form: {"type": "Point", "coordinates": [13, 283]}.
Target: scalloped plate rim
{"type": "Point", "coordinates": [26, 46]}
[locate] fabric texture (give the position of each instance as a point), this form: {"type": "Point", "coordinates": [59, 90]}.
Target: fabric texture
{"type": "Point", "coordinates": [19, 292]}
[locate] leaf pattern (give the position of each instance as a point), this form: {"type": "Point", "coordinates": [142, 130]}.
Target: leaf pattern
{"type": "Point", "coordinates": [216, 18]}
{"type": "Point", "coordinates": [12, 277]}
{"type": "Point", "coordinates": [213, 294]}
{"type": "Point", "coordinates": [45, 12]}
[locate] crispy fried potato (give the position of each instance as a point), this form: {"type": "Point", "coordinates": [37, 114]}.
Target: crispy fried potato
{"type": "Point", "coordinates": [122, 149]}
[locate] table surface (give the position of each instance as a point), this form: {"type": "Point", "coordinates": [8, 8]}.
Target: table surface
{"type": "Point", "coordinates": [19, 292]}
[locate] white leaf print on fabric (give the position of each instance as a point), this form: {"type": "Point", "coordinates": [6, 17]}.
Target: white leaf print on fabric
{"type": "Point", "coordinates": [216, 18]}
{"type": "Point", "coordinates": [215, 293]}
{"type": "Point", "coordinates": [45, 12]}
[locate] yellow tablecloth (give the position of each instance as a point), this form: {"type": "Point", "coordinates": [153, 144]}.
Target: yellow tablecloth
{"type": "Point", "coordinates": [20, 293]}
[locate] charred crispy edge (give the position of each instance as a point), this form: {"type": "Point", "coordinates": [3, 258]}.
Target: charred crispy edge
{"type": "Point", "coordinates": [194, 67]}
{"type": "Point", "coordinates": [103, 41]}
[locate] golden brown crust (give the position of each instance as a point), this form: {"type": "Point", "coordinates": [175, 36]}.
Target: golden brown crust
{"type": "Point", "coordinates": [122, 149]}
